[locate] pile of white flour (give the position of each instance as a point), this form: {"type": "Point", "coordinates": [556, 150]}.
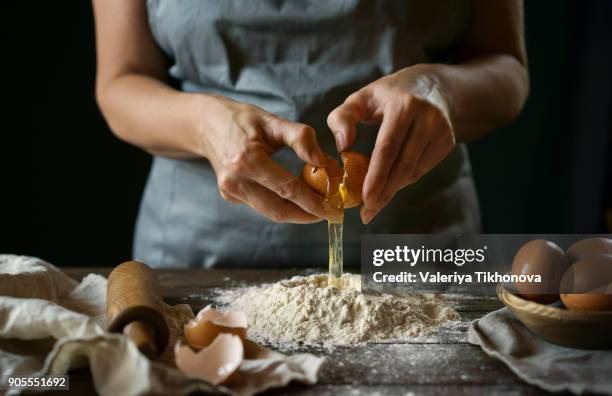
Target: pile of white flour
{"type": "Point", "coordinates": [303, 311]}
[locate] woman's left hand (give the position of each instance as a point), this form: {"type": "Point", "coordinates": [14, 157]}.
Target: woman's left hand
{"type": "Point", "coordinates": [414, 135]}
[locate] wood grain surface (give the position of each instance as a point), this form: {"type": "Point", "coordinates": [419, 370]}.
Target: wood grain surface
{"type": "Point", "coordinates": [134, 306]}
{"type": "Point", "coordinates": [447, 364]}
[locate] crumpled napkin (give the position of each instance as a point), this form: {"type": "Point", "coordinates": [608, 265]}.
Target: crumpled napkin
{"type": "Point", "coordinates": [49, 323]}
{"type": "Point", "coordinates": [536, 361]}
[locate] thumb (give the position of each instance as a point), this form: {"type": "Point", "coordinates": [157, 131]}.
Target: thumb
{"type": "Point", "coordinates": [343, 119]}
{"type": "Point", "coordinates": [301, 138]}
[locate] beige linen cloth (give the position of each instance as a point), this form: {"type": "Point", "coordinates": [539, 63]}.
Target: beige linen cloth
{"type": "Point", "coordinates": [538, 362]}
{"type": "Point", "coordinates": [49, 323]}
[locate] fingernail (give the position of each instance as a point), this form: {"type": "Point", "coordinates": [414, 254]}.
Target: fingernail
{"type": "Point", "coordinates": [340, 141]}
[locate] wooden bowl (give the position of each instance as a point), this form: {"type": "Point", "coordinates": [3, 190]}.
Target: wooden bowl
{"type": "Point", "coordinates": [575, 329]}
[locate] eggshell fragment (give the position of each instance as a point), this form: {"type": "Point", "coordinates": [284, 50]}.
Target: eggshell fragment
{"type": "Point", "coordinates": [318, 178]}
{"type": "Point", "coordinates": [206, 326]}
{"type": "Point", "coordinates": [355, 167]}
{"type": "Point", "coordinates": [214, 364]}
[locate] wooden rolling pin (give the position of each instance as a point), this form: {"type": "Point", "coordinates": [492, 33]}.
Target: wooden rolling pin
{"type": "Point", "coordinates": [135, 307]}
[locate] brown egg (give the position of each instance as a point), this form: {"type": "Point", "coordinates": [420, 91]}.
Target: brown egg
{"type": "Point", "coordinates": [355, 168]}
{"type": "Point", "coordinates": [317, 178]}
{"type": "Point", "coordinates": [546, 259]}
{"type": "Point", "coordinates": [587, 284]}
{"type": "Point", "coordinates": [587, 302]}
{"type": "Point", "coordinates": [589, 247]}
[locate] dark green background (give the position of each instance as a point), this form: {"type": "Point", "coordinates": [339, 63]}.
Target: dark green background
{"type": "Point", "coordinates": [70, 190]}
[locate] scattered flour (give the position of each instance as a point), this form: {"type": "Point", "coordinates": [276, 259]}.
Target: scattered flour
{"type": "Point", "coordinates": [302, 311]}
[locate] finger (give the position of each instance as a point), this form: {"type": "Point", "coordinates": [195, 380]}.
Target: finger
{"type": "Point", "coordinates": [439, 147]}
{"type": "Point", "coordinates": [301, 138]}
{"type": "Point", "coordinates": [397, 181]}
{"type": "Point", "coordinates": [263, 170]}
{"type": "Point", "coordinates": [404, 171]}
{"type": "Point", "coordinates": [230, 198]}
{"type": "Point", "coordinates": [398, 177]}
{"type": "Point", "coordinates": [228, 189]}
{"type": "Point", "coordinates": [407, 169]}
{"type": "Point", "coordinates": [389, 141]}
{"type": "Point", "coordinates": [368, 214]}
{"type": "Point", "coordinates": [343, 119]}
{"type": "Point", "coordinates": [434, 153]}
{"type": "Point", "coordinates": [274, 207]}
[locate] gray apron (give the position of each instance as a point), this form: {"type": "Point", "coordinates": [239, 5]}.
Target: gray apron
{"type": "Point", "coordinates": [298, 59]}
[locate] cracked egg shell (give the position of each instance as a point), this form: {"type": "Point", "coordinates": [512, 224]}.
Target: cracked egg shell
{"type": "Point", "coordinates": [317, 178]}
{"type": "Point", "coordinates": [202, 330]}
{"type": "Point", "coordinates": [214, 364]}
{"type": "Point", "coordinates": [355, 167]}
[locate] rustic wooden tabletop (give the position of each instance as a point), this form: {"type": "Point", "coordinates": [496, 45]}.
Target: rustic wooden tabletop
{"type": "Point", "coordinates": [445, 365]}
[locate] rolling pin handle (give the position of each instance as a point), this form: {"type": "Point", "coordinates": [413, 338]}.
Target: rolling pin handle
{"type": "Point", "coordinates": [142, 334]}
{"type": "Point", "coordinates": [135, 307]}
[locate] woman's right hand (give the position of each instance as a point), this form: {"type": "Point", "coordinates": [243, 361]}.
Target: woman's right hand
{"type": "Point", "coordinates": [238, 139]}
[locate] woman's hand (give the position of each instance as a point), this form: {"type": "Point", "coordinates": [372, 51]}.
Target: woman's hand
{"type": "Point", "coordinates": [414, 135]}
{"type": "Point", "coordinates": [487, 88]}
{"type": "Point", "coordinates": [238, 140]}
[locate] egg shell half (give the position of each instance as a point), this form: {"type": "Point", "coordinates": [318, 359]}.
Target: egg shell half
{"type": "Point", "coordinates": [204, 328]}
{"type": "Point", "coordinates": [355, 167]}
{"type": "Point", "coordinates": [214, 364]}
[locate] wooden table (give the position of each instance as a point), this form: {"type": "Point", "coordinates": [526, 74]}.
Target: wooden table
{"type": "Point", "coordinates": [447, 365]}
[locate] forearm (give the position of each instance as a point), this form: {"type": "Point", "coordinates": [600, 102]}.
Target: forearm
{"type": "Point", "coordinates": [147, 113]}
{"type": "Point", "coordinates": [481, 94]}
